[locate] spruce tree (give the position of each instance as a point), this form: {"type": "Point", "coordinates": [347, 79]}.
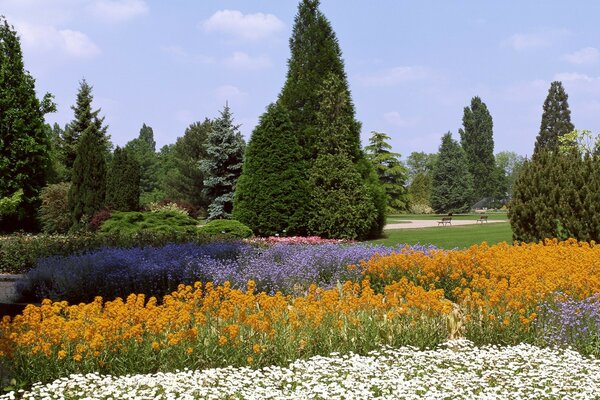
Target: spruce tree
{"type": "Point", "coordinates": [143, 149]}
{"type": "Point", "coordinates": [451, 181]}
{"type": "Point", "coordinates": [390, 170]}
{"type": "Point", "coordinates": [24, 142]}
{"type": "Point", "coordinates": [123, 182]}
{"type": "Point", "coordinates": [271, 193]}
{"type": "Point", "coordinates": [88, 178]}
{"type": "Point", "coordinates": [223, 165]}
{"type": "Point", "coordinates": [556, 119]}
{"type": "Point", "coordinates": [478, 143]}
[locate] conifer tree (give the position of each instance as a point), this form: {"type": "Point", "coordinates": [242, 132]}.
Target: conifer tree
{"type": "Point", "coordinates": [390, 170]}
{"type": "Point", "coordinates": [123, 182]}
{"type": "Point", "coordinates": [271, 194]}
{"type": "Point", "coordinates": [143, 149]}
{"type": "Point", "coordinates": [223, 165]}
{"type": "Point", "coordinates": [88, 178]}
{"type": "Point", "coordinates": [556, 119]}
{"type": "Point", "coordinates": [452, 183]}
{"type": "Point", "coordinates": [24, 141]}
{"type": "Point", "coordinates": [478, 143]}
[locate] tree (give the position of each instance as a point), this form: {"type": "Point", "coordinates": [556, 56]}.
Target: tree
{"type": "Point", "coordinates": [478, 143]}
{"type": "Point", "coordinates": [420, 163]}
{"type": "Point", "coordinates": [556, 119]}
{"type": "Point", "coordinates": [420, 169]}
{"type": "Point", "coordinates": [451, 180]}
{"type": "Point", "coordinates": [24, 142]}
{"type": "Point", "coordinates": [509, 164]}
{"type": "Point", "coordinates": [84, 117]}
{"type": "Point", "coordinates": [58, 171]}
{"type": "Point", "coordinates": [123, 182]}
{"type": "Point", "coordinates": [88, 178]}
{"type": "Point", "coordinates": [143, 149]}
{"type": "Point", "coordinates": [271, 194]}
{"type": "Point", "coordinates": [223, 165]}
{"type": "Point", "coordinates": [180, 165]}
{"type": "Point", "coordinates": [390, 170]}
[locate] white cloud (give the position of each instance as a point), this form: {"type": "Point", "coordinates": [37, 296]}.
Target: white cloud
{"type": "Point", "coordinates": [242, 60]}
{"type": "Point", "coordinates": [587, 55]}
{"type": "Point", "coordinates": [48, 38]}
{"type": "Point", "coordinates": [395, 76]}
{"type": "Point", "coordinates": [181, 54]}
{"type": "Point", "coordinates": [119, 10]}
{"type": "Point", "coordinates": [229, 93]}
{"type": "Point", "coordinates": [248, 27]}
{"type": "Point", "coordinates": [394, 118]}
{"type": "Point", "coordinates": [542, 38]}
{"type": "Point", "coordinates": [574, 77]}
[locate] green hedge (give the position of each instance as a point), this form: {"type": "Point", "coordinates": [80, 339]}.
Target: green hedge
{"type": "Point", "coordinates": [228, 228]}
{"type": "Point", "coordinates": [166, 222]}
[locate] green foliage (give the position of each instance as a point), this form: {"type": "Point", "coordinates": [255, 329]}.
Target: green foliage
{"type": "Point", "coordinates": [58, 171]}
{"type": "Point", "coordinates": [390, 170]}
{"type": "Point", "coordinates": [10, 204]}
{"type": "Point", "coordinates": [420, 163]}
{"type": "Point", "coordinates": [54, 210]}
{"type": "Point", "coordinates": [509, 165]}
{"type": "Point", "coordinates": [556, 119]}
{"type": "Point", "coordinates": [420, 189]}
{"type": "Point", "coordinates": [24, 142]}
{"type": "Point", "coordinates": [228, 228]}
{"type": "Point", "coordinates": [341, 206]}
{"type": "Point", "coordinates": [377, 193]}
{"type": "Point", "coordinates": [452, 182]}
{"type": "Point", "coordinates": [581, 140]}
{"type": "Point", "coordinates": [223, 165]}
{"type": "Point", "coordinates": [129, 223]}
{"type": "Point", "coordinates": [271, 194]}
{"type": "Point", "coordinates": [143, 149]}
{"type": "Point", "coordinates": [557, 195]}
{"type": "Point", "coordinates": [123, 182]}
{"type": "Point", "coordinates": [478, 143]}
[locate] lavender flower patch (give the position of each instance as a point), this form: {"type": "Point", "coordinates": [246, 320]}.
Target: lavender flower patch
{"type": "Point", "coordinates": [156, 271]}
{"type": "Point", "coordinates": [565, 321]}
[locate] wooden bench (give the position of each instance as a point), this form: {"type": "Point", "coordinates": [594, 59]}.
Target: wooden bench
{"type": "Point", "coordinates": [482, 219]}
{"type": "Point", "coordinates": [445, 221]}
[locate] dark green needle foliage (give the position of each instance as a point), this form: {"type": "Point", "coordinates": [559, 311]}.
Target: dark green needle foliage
{"type": "Point", "coordinates": [556, 119]}
{"type": "Point", "coordinates": [123, 182]}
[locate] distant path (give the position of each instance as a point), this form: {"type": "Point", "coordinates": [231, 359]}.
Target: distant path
{"type": "Point", "coordinates": [431, 223]}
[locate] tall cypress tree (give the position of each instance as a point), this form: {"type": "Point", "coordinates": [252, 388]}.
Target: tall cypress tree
{"type": "Point", "coordinates": [556, 119]}
{"type": "Point", "coordinates": [123, 182]}
{"type": "Point", "coordinates": [143, 149]}
{"type": "Point", "coordinates": [452, 182]}
{"type": "Point", "coordinates": [271, 193]}
{"type": "Point", "coordinates": [478, 143]}
{"type": "Point", "coordinates": [88, 178]}
{"type": "Point", "coordinates": [24, 141]}
{"type": "Point", "coordinates": [223, 165]}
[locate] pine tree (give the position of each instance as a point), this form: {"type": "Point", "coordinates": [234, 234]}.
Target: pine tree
{"type": "Point", "coordinates": [478, 143]}
{"type": "Point", "coordinates": [88, 178]}
{"type": "Point", "coordinates": [123, 182]}
{"type": "Point", "coordinates": [271, 193]}
{"type": "Point", "coordinates": [24, 141]}
{"type": "Point", "coordinates": [556, 119]}
{"type": "Point", "coordinates": [390, 170]}
{"type": "Point", "coordinates": [143, 149]}
{"type": "Point", "coordinates": [452, 183]}
{"type": "Point", "coordinates": [223, 165]}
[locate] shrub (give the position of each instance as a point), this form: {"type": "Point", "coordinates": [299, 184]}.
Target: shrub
{"type": "Point", "coordinates": [54, 211]}
{"type": "Point", "coordinates": [420, 209]}
{"type": "Point", "coordinates": [227, 228]}
{"type": "Point", "coordinates": [99, 218]}
{"type": "Point", "coordinates": [127, 223]}
{"type": "Point", "coordinates": [167, 207]}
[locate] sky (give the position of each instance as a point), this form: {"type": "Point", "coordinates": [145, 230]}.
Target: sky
{"type": "Point", "coordinates": [412, 66]}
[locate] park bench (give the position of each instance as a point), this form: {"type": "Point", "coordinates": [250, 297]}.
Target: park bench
{"type": "Point", "coordinates": [482, 219]}
{"type": "Point", "coordinates": [445, 221]}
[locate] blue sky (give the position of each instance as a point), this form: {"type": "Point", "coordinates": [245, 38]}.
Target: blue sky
{"type": "Point", "coordinates": [412, 66]}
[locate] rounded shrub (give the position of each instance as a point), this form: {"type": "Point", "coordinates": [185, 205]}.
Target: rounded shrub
{"type": "Point", "coordinates": [128, 223]}
{"type": "Point", "coordinates": [54, 211]}
{"type": "Point", "coordinates": [228, 228]}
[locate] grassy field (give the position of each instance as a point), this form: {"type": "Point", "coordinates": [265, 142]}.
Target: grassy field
{"type": "Point", "coordinates": [449, 237]}
{"type": "Point", "coordinates": [398, 218]}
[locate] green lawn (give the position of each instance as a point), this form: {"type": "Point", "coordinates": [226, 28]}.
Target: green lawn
{"type": "Point", "coordinates": [398, 218]}
{"type": "Point", "coordinates": [449, 237]}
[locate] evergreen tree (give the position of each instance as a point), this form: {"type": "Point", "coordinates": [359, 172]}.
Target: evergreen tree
{"type": "Point", "coordinates": [223, 165]}
{"type": "Point", "coordinates": [123, 182]}
{"type": "Point", "coordinates": [271, 192]}
{"type": "Point", "coordinates": [390, 170]}
{"type": "Point", "coordinates": [478, 143]}
{"type": "Point", "coordinates": [179, 165]}
{"type": "Point", "coordinates": [88, 178]}
{"type": "Point", "coordinates": [143, 149]}
{"type": "Point", "coordinates": [24, 142]}
{"type": "Point", "coordinates": [451, 180]}
{"type": "Point", "coordinates": [556, 119]}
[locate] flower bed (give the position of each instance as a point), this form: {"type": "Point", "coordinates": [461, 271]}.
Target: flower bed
{"type": "Point", "coordinates": [457, 370]}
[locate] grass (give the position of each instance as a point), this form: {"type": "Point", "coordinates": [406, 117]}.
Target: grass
{"type": "Point", "coordinates": [398, 218]}
{"type": "Point", "coordinates": [449, 237]}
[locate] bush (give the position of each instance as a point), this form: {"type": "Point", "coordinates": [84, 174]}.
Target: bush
{"type": "Point", "coordinates": [167, 207]}
{"type": "Point", "coordinates": [99, 218]}
{"type": "Point", "coordinates": [420, 209]}
{"type": "Point", "coordinates": [54, 212]}
{"type": "Point", "coordinates": [127, 223]}
{"type": "Point", "coordinates": [228, 228]}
